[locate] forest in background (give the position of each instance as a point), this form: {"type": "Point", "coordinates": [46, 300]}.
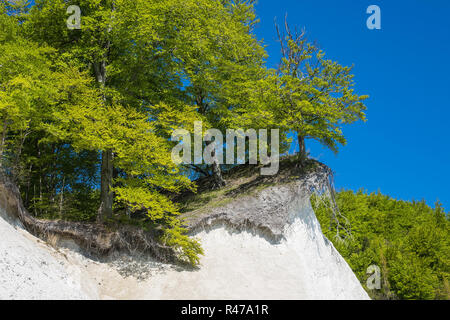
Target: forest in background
{"type": "Point", "coordinates": [408, 241]}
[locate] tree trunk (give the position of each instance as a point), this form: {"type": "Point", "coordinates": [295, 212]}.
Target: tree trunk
{"type": "Point", "coordinates": [92, 238]}
{"type": "Point", "coordinates": [301, 151]}
{"type": "Point", "coordinates": [106, 195]}
{"type": "Point", "coordinates": [27, 194]}
{"type": "Point", "coordinates": [61, 199]}
{"type": "Point", "coordinates": [40, 177]}
{"type": "Point", "coordinates": [23, 137]}
{"type": "Point", "coordinates": [217, 174]}
{"type": "Point", "coordinates": [2, 141]}
{"type": "Point", "coordinates": [34, 200]}
{"type": "Point", "coordinates": [219, 182]}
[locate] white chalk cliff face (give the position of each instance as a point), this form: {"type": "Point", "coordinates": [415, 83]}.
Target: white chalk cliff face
{"type": "Point", "coordinates": [30, 269]}
{"type": "Point", "coordinates": [265, 246]}
{"type": "Point", "coordinates": [245, 265]}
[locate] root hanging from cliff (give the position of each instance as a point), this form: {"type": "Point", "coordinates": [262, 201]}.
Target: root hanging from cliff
{"type": "Point", "coordinates": [323, 187]}
{"type": "Point", "coordinates": [94, 239]}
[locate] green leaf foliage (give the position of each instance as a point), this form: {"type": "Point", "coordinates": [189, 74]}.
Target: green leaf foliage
{"type": "Point", "coordinates": [118, 87]}
{"type": "Point", "coordinates": [409, 241]}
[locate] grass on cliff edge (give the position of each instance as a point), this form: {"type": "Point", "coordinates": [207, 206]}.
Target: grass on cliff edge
{"type": "Point", "coordinates": [241, 181]}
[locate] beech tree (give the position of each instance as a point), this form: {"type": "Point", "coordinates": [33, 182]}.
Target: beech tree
{"type": "Point", "coordinates": [221, 61]}
{"type": "Point", "coordinates": [308, 94]}
{"type": "Point", "coordinates": [98, 92]}
{"type": "Point", "coordinates": [121, 44]}
{"type": "Point", "coordinates": [138, 70]}
{"type": "Point", "coordinates": [109, 95]}
{"type": "Point", "coordinates": [316, 95]}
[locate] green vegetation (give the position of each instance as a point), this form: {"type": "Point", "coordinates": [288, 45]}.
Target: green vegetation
{"type": "Point", "coordinates": [86, 118]}
{"type": "Point", "coordinates": [86, 115]}
{"type": "Point", "coordinates": [308, 94]}
{"type": "Point", "coordinates": [409, 241]}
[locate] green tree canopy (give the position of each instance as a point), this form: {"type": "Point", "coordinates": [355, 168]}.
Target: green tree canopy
{"type": "Point", "coordinates": [308, 94]}
{"type": "Point", "coordinates": [409, 241]}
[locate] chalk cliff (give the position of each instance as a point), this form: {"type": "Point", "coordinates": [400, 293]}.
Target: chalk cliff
{"type": "Point", "coordinates": [264, 244]}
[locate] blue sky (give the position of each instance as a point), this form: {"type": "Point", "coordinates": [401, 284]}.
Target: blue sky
{"type": "Point", "coordinates": [403, 149]}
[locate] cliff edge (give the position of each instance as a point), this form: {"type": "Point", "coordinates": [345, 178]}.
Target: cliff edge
{"type": "Point", "coordinates": [261, 239]}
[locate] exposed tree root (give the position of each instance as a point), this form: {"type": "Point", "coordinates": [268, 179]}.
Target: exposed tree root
{"type": "Point", "coordinates": [93, 238]}
{"type": "Point", "coordinates": [326, 194]}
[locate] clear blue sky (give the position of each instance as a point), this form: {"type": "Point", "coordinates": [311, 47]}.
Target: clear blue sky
{"type": "Point", "coordinates": [403, 149]}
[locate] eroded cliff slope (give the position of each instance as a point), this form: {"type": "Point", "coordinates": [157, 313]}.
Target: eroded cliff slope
{"type": "Point", "coordinates": [263, 242]}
